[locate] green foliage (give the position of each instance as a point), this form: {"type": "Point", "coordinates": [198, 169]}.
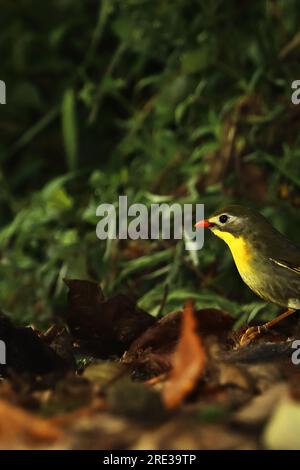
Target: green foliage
{"type": "Point", "coordinates": [181, 101]}
{"type": "Point", "coordinates": [69, 128]}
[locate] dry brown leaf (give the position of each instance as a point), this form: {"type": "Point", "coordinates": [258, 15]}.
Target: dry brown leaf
{"type": "Point", "coordinates": [152, 352]}
{"type": "Point", "coordinates": [22, 430]}
{"type": "Point", "coordinates": [188, 361]}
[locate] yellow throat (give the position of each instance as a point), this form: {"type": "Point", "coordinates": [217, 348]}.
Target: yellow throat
{"type": "Point", "coordinates": [239, 248]}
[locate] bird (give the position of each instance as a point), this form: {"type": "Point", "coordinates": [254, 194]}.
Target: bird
{"type": "Point", "coordinates": [267, 261]}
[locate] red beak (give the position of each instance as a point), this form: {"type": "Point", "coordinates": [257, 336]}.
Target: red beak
{"type": "Point", "coordinates": [203, 223]}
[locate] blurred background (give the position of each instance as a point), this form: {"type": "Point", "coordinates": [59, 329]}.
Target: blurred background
{"type": "Point", "coordinates": [162, 101]}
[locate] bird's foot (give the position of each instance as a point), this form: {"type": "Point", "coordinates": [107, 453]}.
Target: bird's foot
{"type": "Point", "coordinates": [251, 333]}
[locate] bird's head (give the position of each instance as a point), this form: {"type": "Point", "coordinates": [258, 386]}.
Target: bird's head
{"type": "Point", "coordinates": [234, 221]}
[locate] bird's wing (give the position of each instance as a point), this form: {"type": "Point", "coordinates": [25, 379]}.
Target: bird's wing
{"type": "Point", "coordinates": [295, 267]}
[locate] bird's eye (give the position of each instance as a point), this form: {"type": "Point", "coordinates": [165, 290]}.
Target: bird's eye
{"type": "Point", "coordinates": [223, 218]}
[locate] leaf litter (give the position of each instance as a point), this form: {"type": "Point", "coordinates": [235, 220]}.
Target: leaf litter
{"type": "Point", "coordinates": [111, 376]}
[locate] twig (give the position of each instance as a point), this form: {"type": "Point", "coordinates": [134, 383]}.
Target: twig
{"type": "Point", "coordinates": [264, 352]}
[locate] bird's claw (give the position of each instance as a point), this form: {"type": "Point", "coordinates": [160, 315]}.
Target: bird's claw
{"type": "Point", "coordinates": [250, 334]}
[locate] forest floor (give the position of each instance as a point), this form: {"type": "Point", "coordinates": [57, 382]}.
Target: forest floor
{"type": "Point", "coordinates": [117, 378]}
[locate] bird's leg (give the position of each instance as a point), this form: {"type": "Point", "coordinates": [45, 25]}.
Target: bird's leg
{"type": "Point", "coordinates": [254, 331]}
{"type": "Point", "coordinates": [280, 317]}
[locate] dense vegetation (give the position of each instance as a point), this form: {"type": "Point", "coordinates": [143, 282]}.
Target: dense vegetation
{"type": "Point", "coordinates": [183, 101]}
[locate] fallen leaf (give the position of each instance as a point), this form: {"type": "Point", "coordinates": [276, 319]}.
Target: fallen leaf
{"type": "Point", "coordinates": [283, 429]}
{"type": "Point", "coordinates": [260, 408]}
{"type": "Point", "coordinates": [103, 327]}
{"type": "Point", "coordinates": [188, 361]}
{"type": "Point", "coordinates": [152, 352]}
{"type": "Point", "coordinates": [22, 430]}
